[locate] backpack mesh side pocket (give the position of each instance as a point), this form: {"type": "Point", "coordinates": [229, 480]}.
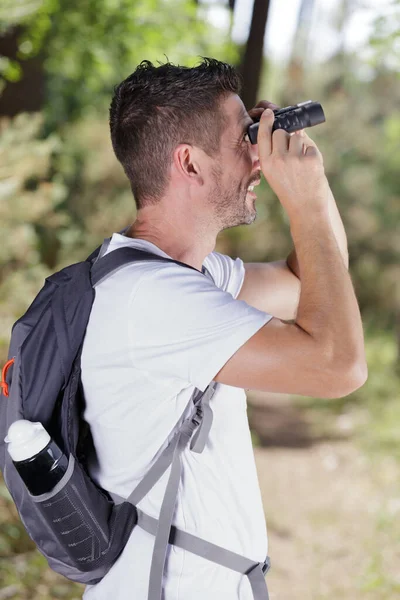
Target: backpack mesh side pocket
{"type": "Point", "coordinates": [90, 527]}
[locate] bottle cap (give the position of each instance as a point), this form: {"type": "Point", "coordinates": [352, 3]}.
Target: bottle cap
{"type": "Point", "coordinates": [25, 439]}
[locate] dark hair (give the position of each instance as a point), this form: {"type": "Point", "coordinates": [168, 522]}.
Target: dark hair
{"type": "Point", "coordinates": [156, 108]}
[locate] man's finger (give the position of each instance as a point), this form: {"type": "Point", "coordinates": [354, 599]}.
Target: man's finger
{"type": "Point", "coordinates": [255, 113]}
{"type": "Point", "coordinates": [266, 104]}
{"type": "Point", "coordinates": [309, 143]}
{"type": "Point", "coordinates": [280, 141]}
{"type": "Point", "coordinates": [296, 144]}
{"type": "Point", "coordinates": [263, 104]}
{"type": "Point", "coordinates": [264, 135]}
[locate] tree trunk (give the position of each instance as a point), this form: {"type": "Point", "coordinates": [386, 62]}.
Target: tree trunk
{"type": "Point", "coordinates": [253, 56]}
{"type": "Point", "coordinates": [27, 94]}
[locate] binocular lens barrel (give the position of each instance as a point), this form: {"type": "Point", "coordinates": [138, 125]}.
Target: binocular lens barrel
{"type": "Point", "coordinates": [293, 118]}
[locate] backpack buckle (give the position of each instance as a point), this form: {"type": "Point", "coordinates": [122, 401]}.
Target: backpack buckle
{"type": "Point", "coordinates": [3, 383]}
{"type": "Point", "coordinates": [198, 417]}
{"type": "Point", "coordinates": [265, 567]}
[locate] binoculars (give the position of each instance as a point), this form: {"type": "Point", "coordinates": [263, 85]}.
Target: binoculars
{"type": "Point", "coordinates": [292, 118]}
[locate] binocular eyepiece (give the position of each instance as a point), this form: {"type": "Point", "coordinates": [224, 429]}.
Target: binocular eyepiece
{"type": "Point", "coordinates": [292, 118]}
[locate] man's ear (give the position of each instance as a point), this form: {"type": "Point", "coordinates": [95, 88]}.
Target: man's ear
{"type": "Point", "coordinates": [187, 161]}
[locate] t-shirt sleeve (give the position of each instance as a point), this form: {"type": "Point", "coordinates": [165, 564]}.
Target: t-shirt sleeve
{"type": "Point", "coordinates": [184, 326]}
{"type": "Point", "coordinates": [227, 273]}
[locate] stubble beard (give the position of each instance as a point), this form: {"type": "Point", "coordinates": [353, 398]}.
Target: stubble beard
{"type": "Point", "coordinates": [231, 206]}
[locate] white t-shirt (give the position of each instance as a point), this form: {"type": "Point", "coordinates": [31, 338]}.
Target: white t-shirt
{"type": "Point", "coordinates": [156, 331]}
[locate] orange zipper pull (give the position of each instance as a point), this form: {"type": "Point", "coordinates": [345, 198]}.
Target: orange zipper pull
{"type": "Point", "coordinates": [3, 382]}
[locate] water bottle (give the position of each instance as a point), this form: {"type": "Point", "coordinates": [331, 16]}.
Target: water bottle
{"type": "Point", "coordinates": [37, 458]}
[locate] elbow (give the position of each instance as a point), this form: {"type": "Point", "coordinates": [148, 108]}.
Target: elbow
{"type": "Point", "coordinates": [359, 374]}
{"type": "Point", "coordinates": [349, 379]}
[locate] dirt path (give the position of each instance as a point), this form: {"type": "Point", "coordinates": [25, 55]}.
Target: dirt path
{"type": "Point", "coordinates": [325, 508]}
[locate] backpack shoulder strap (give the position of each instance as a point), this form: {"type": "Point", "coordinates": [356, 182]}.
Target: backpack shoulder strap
{"type": "Point", "coordinates": [101, 250]}
{"type": "Point", "coordinates": [117, 259]}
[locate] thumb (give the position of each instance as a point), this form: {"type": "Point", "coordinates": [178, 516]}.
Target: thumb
{"type": "Point", "coordinates": [264, 137]}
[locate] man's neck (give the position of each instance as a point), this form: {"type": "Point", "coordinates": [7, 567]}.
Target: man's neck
{"type": "Point", "coordinates": [177, 248]}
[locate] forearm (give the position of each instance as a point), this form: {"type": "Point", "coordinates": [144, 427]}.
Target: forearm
{"type": "Point", "coordinates": [339, 232]}
{"type": "Point", "coordinates": [328, 308]}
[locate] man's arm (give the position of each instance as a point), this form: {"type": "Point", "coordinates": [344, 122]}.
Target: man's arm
{"type": "Point", "coordinates": [323, 351]}
{"type": "Point", "coordinates": [340, 235]}
{"type": "Point", "coordinates": [274, 287]}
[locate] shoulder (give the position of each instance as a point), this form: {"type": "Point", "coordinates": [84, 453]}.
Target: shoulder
{"type": "Point", "coordinates": [227, 273]}
{"type": "Point", "coordinates": [177, 294]}
{"type": "Point", "coordinates": [168, 280]}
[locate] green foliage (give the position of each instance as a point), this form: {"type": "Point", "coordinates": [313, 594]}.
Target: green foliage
{"type": "Point", "coordinates": [57, 201]}
{"type": "Point", "coordinates": [19, 12]}
{"type": "Point", "coordinates": [385, 39]}
{"type": "Point", "coordinates": [33, 17]}
{"type": "Point", "coordinates": [89, 51]}
{"type": "Point", "coordinates": [87, 48]}
{"type": "Point", "coordinates": [28, 203]}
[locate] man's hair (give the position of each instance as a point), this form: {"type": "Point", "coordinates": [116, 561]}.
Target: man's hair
{"type": "Point", "coordinates": [156, 108]}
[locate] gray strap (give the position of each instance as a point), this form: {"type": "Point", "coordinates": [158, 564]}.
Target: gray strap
{"type": "Point", "coordinates": [167, 513]}
{"type": "Point", "coordinates": [172, 453]}
{"type": "Point", "coordinates": [103, 249]}
{"type": "Point", "coordinates": [200, 437]}
{"type": "Point", "coordinates": [201, 401]}
{"type": "Point", "coordinates": [266, 566]}
{"type": "Point", "coordinates": [203, 398]}
{"type": "Point", "coordinates": [212, 552]}
{"type": "Point", "coordinates": [155, 473]}
{"type": "Point", "coordinates": [170, 456]}
{"type": "Point", "coordinates": [258, 583]}
{"type": "Point", "coordinates": [93, 257]}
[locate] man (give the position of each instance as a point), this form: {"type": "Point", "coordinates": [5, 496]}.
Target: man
{"type": "Point", "coordinates": [159, 330]}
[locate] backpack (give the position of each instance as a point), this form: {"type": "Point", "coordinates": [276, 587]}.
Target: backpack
{"type": "Point", "coordinates": [79, 527]}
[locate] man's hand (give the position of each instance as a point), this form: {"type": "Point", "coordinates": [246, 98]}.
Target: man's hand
{"type": "Point", "coordinates": [256, 112]}
{"type": "Point", "coordinates": [293, 169]}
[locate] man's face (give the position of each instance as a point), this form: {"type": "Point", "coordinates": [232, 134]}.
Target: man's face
{"type": "Point", "coordinates": [235, 169]}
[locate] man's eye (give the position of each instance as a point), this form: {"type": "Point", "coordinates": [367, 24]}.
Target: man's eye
{"type": "Point", "coordinates": [244, 137]}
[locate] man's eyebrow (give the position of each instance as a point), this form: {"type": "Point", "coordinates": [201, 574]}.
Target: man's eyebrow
{"type": "Point", "coordinates": [243, 115]}
{"type": "Point", "coordinates": [245, 122]}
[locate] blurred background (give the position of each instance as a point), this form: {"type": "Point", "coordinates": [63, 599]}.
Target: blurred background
{"type": "Point", "coordinates": [329, 469]}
